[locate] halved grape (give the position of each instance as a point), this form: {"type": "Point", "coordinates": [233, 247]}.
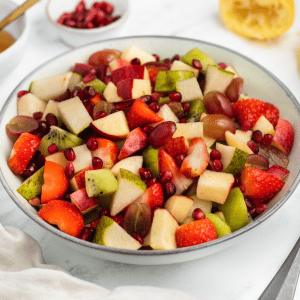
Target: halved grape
{"type": "Point", "coordinates": [157, 65]}
{"type": "Point", "coordinates": [105, 106]}
{"type": "Point", "coordinates": [138, 219]}
{"type": "Point", "coordinates": [257, 161]}
{"type": "Point", "coordinates": [161, 134]}
{"type": "Point", "coordinates": [103, 57]}
{"type": "Point", "coordinates": [20, 124]}
{"type": "Point", "coordinates": [274, 155]}
{"type": "Point", "coordinates": [177, 109]}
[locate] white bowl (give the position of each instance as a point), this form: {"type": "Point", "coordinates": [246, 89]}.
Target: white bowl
{"type": "Point", "coordinates": [77, 37]}
{"type": "Point", "coordinates": [259, 83]}
{"type": "Point", "coordinates": [19, 29]}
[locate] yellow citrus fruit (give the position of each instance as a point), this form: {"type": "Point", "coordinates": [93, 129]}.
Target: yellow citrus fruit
{"type": "Point", "coordinates": [259, 19]}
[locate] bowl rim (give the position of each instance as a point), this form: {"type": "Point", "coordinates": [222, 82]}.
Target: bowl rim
{"type": "Point", "coordinates": [89, 31]}
{"type": "Point", "coordinates": [150, 253]}
{"type": "Point", "coordinates": [24, 33]}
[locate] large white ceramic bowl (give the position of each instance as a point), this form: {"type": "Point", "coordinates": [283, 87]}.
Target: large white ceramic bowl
{"type": "Point", "coordinates": [259, 83]}
{"type": "Point", "coordinates": [77, 37]}
{"type": "Point", "coordinates": [19, 29]}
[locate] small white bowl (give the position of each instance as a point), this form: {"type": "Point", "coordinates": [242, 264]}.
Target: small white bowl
{"type": "Point", "coordinates": [19, 29]}
{"type": "Point", "coordinates": [77, 37]}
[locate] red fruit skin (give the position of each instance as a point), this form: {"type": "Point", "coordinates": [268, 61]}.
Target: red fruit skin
{"type": "Point", "coordinates": [136, 140]}
{"type": "Point", "coordinates": [153, 196]}
{"type": "Point", "coordinates": [260, 184]}
{"type": "Point", "coordinates": [23, 150]}
{"type": "Point", "coordinates": [63, 214]}
{"type": "Point", "coordinates": [178, 145]}
{"type": "Point", "coordinates": [278, 171]}
{"type": "Point", "coordinates": [195, 233]}
{"type": "Point", "coordinates": [197, 159]}
{"type": "Point", "coordinates": [124, 88]}
{"type": "Point", "coordinates": [271, 113]}
{"type": "Point", "coordinates": [284, 136]}
{"type": "Point", "coordinates": [131, 71]}
{"type": "Point", "coordinates": [56, 183]}
{"type": "Point", "coordinates": [141, 115]}
{"type": "Point", "coordinates": [84, 203]}
{"type": "Point", "coordinates": [78, 181]}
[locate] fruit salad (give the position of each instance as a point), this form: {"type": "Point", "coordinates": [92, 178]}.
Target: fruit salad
{"type": "Point", "coordinates": [133, 151]}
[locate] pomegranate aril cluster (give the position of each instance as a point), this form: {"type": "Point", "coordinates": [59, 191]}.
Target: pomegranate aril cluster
{"type": "Point", "coordinates": [99, 15]}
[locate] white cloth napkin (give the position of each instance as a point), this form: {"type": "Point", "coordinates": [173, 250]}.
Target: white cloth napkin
{"type": "Point", "coordinates": [24, 276]}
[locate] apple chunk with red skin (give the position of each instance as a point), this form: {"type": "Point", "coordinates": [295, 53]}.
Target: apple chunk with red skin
{"type": "Point", "coordinates": [133, 88]}
{"type": "Point", "coordinates": [84, 203]}
{"type": "Point", "coordinates": [283, 138]}
{"type": "Point", "coordinates": [278, 171]}
{"type": "Point", "coordinates": [131, 71]}
{"type": "Point", "coordinates": [113, 126]}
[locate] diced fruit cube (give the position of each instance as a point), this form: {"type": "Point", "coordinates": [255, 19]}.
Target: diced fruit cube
{"type": "Point", "coordinates": [28, 104]}
{"type": "Point", "coordinates": [84, 203]}
{"type": "Point", "coordinates": [132, 164]}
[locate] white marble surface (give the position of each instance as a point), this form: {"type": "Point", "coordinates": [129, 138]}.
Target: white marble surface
{"type": "Point", "coordinates": [241, 272]}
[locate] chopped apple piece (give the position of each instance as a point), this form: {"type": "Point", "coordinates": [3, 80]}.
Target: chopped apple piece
{"type": "Point", "coordinates": [264, 125]}
{"type": "Point", "coordinates": [135, 52]}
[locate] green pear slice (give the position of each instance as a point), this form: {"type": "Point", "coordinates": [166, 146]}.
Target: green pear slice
{"type": "Point", "coordinates": [109, 233]}
{"type": "Point", "coordinates": [75, 80]}
{"type": "Point", "coordinates": [222, 227]}
{"type": "Point", "coordinates": [32, 186]}
{"type": "Point", "coordinates": [245, 136]}
{"type": "Point", "coordinates": [189, 89]}
{"type": "Point", "coordinates": [203, 58]}
{"type": "Point", "coordinates": [53, 109]}
{"type": "Point", "coordinates": [98, 85]}
{"type": "Point", "coordinates": [235, 210]}
{"type": "Point", "coordinates": [100, 183]}
{"type": "Point", "coordinates": [51, 87]}
{"type": "Point", "coordinates": [233, 140]}
{"type": "Point", "coordinates": [196, 109]}
{"type": "Point", "coordinates": [217, 79]}
{"type": "Point", "coordinates": [166, 80]}
{"type": "Point", "coordinates": [28, 104]}
{"type": "Point", "coordinates": [132, 164]}
{"type": "Point", "coordinates": [74, 115]}
{"type": "Point", "coordinates": [130, 188]}
{"type": "Point", "coordinates": [232, 158]}
{"type": "Point", "coordinates": [178, 65]}
{"type": "Point", "coordinates": [150, 156]}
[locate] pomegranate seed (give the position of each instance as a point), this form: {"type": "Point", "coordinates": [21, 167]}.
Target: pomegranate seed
{"type": "Point", "coordinates": [70, 23]}
{"type": "Point", "coordinates": [237, 181]}
{"type": "Point", "coordinates": [257, 136]}
{"type": "Point", "coordinates": [138, 237]}
{"type": "Point", "coordinates": [104, 212]}
{"type": "Point", "coordinates": [88, 78]}
{"type": "Point", "coordinates": [252, 145]}
{"type": "Point", "coordinates": [169, 189]}
{"type": "Point", "coordinates": [41, 160]}
{"type": "Point", "coordinates": [135, 61]}
{"type": "Point", "coordinates": [222, 65]}
{"type": "Point", "coordinates": [268, 138]}
{"type": "Point", "coordinates": [87, 234]}
{"type": "Point", "coordinates": [100, 114]}
{"type": "Point", "coordinates": [156, 57]}
{"type": "Point", "coordinates": [154, 106]}
{"type": "Point", "coordinates": [52, 148]}
{"type": "Point", "coordinates": [249, 204]}
{"type": "Point", "coordinates": [37, 115]}
{"type": "Point", "coordinates": [179, 158]}
{"type": "Point", "coordinates": [145, 174]}
{"type": "Point", "coordinates": [69, 154]}
{"type": "Point", "coordinates": [89, 25]}
{"type": "Point", "coordinates": [51, 119]}
{"type": "Point", "coordinates": [89, 91]}
{"type": "Point", "coordinates": [145, 98]}
{"type": "Point", "coordinates": [92, 144]}
{"type": "Point", "coordinates": [242, 188]}
{"type": "Point", "coordinates": [36, 201]}
{"type": "Point", "coordinates": [155, 97]}
{"type": "Point", "coordinates": [253, 213]}
{"type": "Point", "coordinates": [30, 169]}
{"type": "Point", "coordinates": [196, 64]}
{"type": "Point", "coordinates": [186, 107]}
{"type": "Point", "coordinates": [260, 208]}
{"type": "Point", "coordinates": [119, 218]}
{"type": "Point", "coordinates": [176, 57]}
{"type": "Point", "coordinates": [107, 79]}
{"type": "Point", "coordinates": [148, 129]}
{"type": "Point", "coordinates": [94, 224]}
{"type": "Point", "coordinates": [198, 214]}
{"type": "Point", "coordinates": [215, 154]}
{"type": "Point", "coordinates": [246, 126]}
{"type": "Point", "coordinates": [44, 128]}
{"type": "Point", "coordinates": [166, 176]}
{"type": "Point", "coordinates": [183, 120]}
{"type": "Point", "coordinates": [22, 93]}
{"type": "Point", "coordinates": [168, 62]}
{"type": "Point", "coordinates": [175, 96]}
{"type": "Point", "coordinates": [97, 163]}
{"type": "Point", "coordinates": [217, 165]}
{"type": "Point", "coordinates": [151, 181]}
{"type": "Point", "coordinates": [70, 170]}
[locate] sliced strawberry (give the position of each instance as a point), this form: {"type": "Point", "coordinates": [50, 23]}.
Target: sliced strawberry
{"type": "Point", "coordinates": [195, 163]}
{"type": "Point", "coordinates": [23, 150]}
{"type": "Point", "coordinates": [55, 184]}
{"type": "Point", "coordinates": [63, 214]}
{"type": "Point", "coordinates": [260, 184]}
{"type": "Point", "coordinates": [141, 115]}
{"type": "Point", "coordinates": [194, 233]}
{"type": "Point", "coordinates": [153, 196]}
{"type": "Point", "coordinates": [178, 145]}
{"type": "Point", "coordinates": [271, 113]}
{"type": "Point", "coordinates": [136, 140]}
{"type": "Point", "coordinates": [108, 151]}
{"type": "Point", "coordinates": [167, 162]}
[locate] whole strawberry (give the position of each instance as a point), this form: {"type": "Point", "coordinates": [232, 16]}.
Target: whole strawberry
{"type": "Point", "coordinates": [194, 233]}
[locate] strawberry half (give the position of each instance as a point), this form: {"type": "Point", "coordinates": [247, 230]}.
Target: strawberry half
{"type": "Point", "coordinates": [23, 150]}
{"type": "Point", "coordinates": [55, 184]}
{"type": "Point", "coordinates": [194, 233]}
{"type": "Point", "coordinates": [260, 184]}
{"type": "Point", "coordinates": [63, 214]}
{"type": "Point", "coordinates": [271, 113]}
{"type": "Point", "coordinates": [141, 115]}
{"type": "Point", "coordinates": [153, 196]}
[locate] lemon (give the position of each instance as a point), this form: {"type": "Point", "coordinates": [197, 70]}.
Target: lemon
{"type": "Point", "coordinates": [258, 19]}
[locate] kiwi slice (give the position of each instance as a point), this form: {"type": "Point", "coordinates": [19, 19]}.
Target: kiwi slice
{"type": "Point", "coordinates": [62, 139]}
